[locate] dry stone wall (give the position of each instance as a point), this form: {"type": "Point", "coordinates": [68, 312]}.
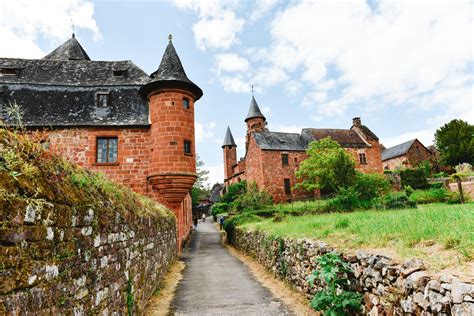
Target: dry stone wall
{"type": "Point", "coordinates": [57, 259]}
{"type": "Point", "coordinates": [389, 288]}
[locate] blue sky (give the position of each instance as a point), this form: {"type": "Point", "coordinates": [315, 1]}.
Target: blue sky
{"type": "Point", "coordinates": [405, 67]}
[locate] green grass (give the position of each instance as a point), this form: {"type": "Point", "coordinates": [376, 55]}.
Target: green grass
{"type": "Point", "coordinates": [408, 232]}
{"type": "Point", "coordinates": [300, 206]}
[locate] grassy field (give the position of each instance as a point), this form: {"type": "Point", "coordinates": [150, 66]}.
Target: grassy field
{"type": "Point", "coordinates": [441, 233]}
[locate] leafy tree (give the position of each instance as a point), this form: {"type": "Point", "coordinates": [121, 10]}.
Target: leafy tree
{"type": "Point", "coordinates": [200, 188]}
{"type": "Point", "coordinates": [455, 142]}
{"type": "Point", "coordinates": [328, 167]}
{"type": "Point", "coordinates": [254, 198]}
{"type": "Point", "coordinates": [234, 191]}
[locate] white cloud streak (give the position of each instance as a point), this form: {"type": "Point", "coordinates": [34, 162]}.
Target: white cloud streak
{"type": "Point", "coordinates": [23, 22]}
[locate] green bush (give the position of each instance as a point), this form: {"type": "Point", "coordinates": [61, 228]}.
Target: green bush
{"type": "Point", "coordinates": [455, 198]}
{"type": "Point", "coordinates": [232, 222]}
{"type": "Point", "coordinates": [436, 185]}
{"type": "Point", "coordinates": [345, 200]}
{"type": "Point", "coordinates": [429, 196]}
{"type": "Point", "coordinates": [336, 297]}
{"type": "Point", "coordinates": [233, 191]}
{"type": "Point", "coordinates": [371, 185]}
{"type": "Point", "coordinates": [396, 200]}
{"type": "Point", "coordinates": [253, 198]}
{"type": "Point", "coordinates": [219, 208]}
{"type": "Point", "coordinates": [416, 178]}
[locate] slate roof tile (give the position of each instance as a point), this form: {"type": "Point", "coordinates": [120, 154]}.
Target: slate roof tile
{"type": "Point", "coordinates": [397, 150]}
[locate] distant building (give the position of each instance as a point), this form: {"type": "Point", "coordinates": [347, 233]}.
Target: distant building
{"type": "Point", "coordinates": [111, 117]}
{"type": "Point", "coordinates": [271, 158]}
{"type": "Point", "coordinates": [405, 155]}
{"type": "Point", "coordinates": [216, 192]}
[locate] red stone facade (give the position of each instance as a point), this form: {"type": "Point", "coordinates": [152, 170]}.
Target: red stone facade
{"type": "Point", "coordinates": [151, 165]}
{"type": "Point", "coordinates": [413, 156]}
{"type": "Point", "coordinates": [267, 168]}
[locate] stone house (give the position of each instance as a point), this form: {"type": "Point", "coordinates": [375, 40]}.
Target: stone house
{"type": "Point", "coordinates": [111, 117]}
{"type": "Point", "coordinates": [271, 158]}
{"type": "Point", "coordinates": [405, 155]}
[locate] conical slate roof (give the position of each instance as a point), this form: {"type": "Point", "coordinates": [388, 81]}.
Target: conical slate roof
{"type": "Point", "coordinates": [228, 139]}
{"type": "Point", "coordinates": [170, 74]}
{"type": "Point", "coordinates": [254, 110]}
{"type": "Point", "coordinates": [69, 50]}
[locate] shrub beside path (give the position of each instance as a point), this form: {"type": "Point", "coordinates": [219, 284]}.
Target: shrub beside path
{"type": "Point", "coordinates": [216, 283]}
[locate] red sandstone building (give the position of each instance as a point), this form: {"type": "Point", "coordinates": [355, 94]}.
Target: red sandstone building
{"type": "Point", "coordinates": [406, 155]}
{"type": "Point", "coordinates": [271, 158]}
{"type": "Point", "coordinates": [111, 117]}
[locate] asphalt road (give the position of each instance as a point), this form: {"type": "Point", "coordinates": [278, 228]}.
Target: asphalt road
{"type": "Point", "coordinates": [216, 283]}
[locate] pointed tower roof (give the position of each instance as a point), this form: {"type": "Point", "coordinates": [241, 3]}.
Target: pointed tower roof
{"type": "Point", "coordinates": [69, 50]}
{"type": "Point", "coordinates": [170, 74]}
{"type": "Point", "coordinates": [254, 111]}
{"type": "Point", "coordinates": [228, 139]}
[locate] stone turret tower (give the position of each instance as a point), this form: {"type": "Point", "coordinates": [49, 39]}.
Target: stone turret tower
{"type": "Point", "coordinates": [230, 153]}
{"type": "Point", "coordinates": [255, 120]}
{"type": "Point", "coordinates": [172, 166]}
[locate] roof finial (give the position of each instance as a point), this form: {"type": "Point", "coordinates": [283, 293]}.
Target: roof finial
{"type": "Point", "coordinates": [252, 90]}
{"type": "Point", "coordinates": [170, 37]}
{"type": "Point", "coordinates": [73, 30]}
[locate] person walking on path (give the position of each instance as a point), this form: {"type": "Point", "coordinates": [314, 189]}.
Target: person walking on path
{"type": "Point", "coordinates": [221, 222]}
{"type": "Point", "coordinates": [203, 217]}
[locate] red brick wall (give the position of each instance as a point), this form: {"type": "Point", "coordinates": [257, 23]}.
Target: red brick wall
{"type": "Point", "coordinates": [144, 152]}
{"type": "Point", "coordinates": [275, 172]}
{"type": "Point", "coordinates": [230, 159]}
{"type": "Point", "coordinates": [131, 169]}
{"type": "Point", "coordinates": [171, 126]}
{"type": "Point", "coordinates": [253, 164]}
{"type": "Point", "coordinates": [373, 157]}
{"type": "Point", "coordinates": [416, 154]}
{"type": "Point", "coordinates": [266, 169]}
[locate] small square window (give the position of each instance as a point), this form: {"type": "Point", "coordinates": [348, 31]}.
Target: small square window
{"type": "Point", "coordinates": [186, 104]}
{"type": "Point", "coordinates": [187, 147]}
{"type": "Point", "coordinates": [284, 159]}
{"type": "Point", "coordinates": [102, 99]}
{"type": "Point", "coordinates": [362, 159]}
{"type": "Point", "coordinates": [119, 73]}
{"type": "Point", "coordinates": [9, 72]}
{"type": "Point", "coordinates": [107, 149]}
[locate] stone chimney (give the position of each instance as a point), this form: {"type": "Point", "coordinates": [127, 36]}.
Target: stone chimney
{"type": "Point", "coordinates": [356, 121]}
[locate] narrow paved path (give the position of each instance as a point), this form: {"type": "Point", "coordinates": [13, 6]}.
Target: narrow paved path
{"type": "Point", "coordinates": [216, 283]}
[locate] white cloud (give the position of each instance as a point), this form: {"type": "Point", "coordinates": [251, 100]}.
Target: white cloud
{"type": "Point", "coordinates": [266, 110]}
{"type": "Point", "coordinates": [22, 22]}
{"type": "Point", "coordinates": [216, 174]}
{"type": "Point", "coordinates": [217, 26]}
{"type": "Point", "coordinates": [230, 63]}
{"type": "Point", "coordinates": [236, 84]}
{"type": "Point", "coordinates": [397, 52]}
{"type": "Point", "coordinates": [204, 133]}
{"type": "Point", "coordinates": [287, 128]}
{"type": "Point", "coordinates": [426, 136]}
{"type": "Point", "coordinates": [293, 86]}
{"type": "Point", "coordinates": [261, 8]}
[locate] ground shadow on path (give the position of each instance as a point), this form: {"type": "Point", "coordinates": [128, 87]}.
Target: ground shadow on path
{"type": "Point", "coordinates": [216, 283]}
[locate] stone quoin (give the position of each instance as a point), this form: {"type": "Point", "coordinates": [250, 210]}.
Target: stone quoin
{"type": "Point", "coordinates": [111, 117]}
{"type": "Point", "coordinates": [271, 158]}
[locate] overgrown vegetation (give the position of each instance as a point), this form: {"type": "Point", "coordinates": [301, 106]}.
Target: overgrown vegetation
{"type": "Point", "coordinates": [402, 230]}
{"type": "Point", "coordinates": [328, 167]}
{"type": "Point", "coordinates": [455, 142]}
{"type": "Point", "coordinates": [31, 175]}
{"type": "Point", "coordinates": [336, 297]}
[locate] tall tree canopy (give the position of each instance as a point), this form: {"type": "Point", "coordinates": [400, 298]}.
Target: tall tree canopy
{"type": "Point", "coordinates": [455, 142]}
{"type": "Point", "coordinates": [328, 167]}
{"type": "Point", "coordinates": [200, 188]}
